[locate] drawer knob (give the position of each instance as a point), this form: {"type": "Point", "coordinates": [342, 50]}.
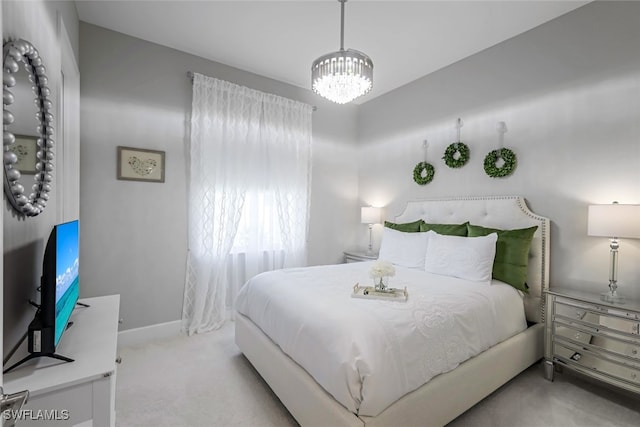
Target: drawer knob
{"type": "Point", "coordinates": [118, 360]}
{"type": "Point", "coordinates": [633, 375]}
{"type": "Point", "coordinates": [634, 351]}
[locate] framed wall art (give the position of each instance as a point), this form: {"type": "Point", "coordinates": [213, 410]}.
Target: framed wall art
{"type": "Point", "coordinates": [139, 164]}
{"type": "Point", "coordinates": [26, 149]}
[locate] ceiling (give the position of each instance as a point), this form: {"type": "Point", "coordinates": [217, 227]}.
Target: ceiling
{"type": "Point", "coordinates": [280, 39]}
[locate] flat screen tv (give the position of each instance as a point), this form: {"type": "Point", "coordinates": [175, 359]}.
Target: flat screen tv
{"type": "Point", "coordinates": [59, 291]}
{"type": "Point", "coordinates": [60, 285]}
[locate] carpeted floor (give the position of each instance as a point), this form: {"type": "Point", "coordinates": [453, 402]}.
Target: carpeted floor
{"type": "Point", "coordinates": [204, 380]}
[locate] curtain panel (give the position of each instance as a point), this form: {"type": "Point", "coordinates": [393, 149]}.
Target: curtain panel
{"type": "Point", "coordinates": [249, 184]}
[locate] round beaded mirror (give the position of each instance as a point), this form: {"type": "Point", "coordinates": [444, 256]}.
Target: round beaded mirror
{"type": "Point", "coordinates": [29, 152]}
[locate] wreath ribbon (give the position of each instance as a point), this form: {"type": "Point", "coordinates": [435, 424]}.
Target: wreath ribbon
{"type": "Point", "coordinates": [423, 172]}
{"type": "Point", "coordinates": [508, 157]}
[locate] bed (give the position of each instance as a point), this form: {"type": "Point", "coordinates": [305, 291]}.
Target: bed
{"type": "Point", "coordinates": [430, 404]}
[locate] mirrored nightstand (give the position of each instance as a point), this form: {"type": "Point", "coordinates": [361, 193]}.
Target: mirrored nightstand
{"type": "Point", "coordinates": [359, 256]}
{"type": "Point", "coordinates": [599, 339]}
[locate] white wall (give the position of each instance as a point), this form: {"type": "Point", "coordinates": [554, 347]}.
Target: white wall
{"type": "Point", "coordinates": [569, 94]}
{"type": "Point", "coordinates": [24, 238]}
{"type": "Point", "coordinates": [134, 234]}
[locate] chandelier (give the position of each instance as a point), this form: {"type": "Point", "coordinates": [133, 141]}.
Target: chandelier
{"type": "Point", "coordinates": [344, 75]}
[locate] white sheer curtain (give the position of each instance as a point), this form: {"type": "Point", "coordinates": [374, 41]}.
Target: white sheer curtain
{"type": "Point", "coordinates": [249, 183]}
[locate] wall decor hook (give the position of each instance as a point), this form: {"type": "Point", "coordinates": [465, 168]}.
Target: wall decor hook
{"type": "Point", "coordinates": [501, 127]}
{"type": "Point", "coordinates": [459, 124]}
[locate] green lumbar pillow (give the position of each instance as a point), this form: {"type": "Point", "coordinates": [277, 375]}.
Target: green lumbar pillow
{"type": "Point", "coordinates": [512, 253]}
{"type": "Point", "coordinates": [407, 227]}
{"type": "Point", "coordinates": [446, 229]}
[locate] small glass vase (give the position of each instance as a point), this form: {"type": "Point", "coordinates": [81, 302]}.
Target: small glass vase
{"type": "Point", "coordinates": [381, 284]}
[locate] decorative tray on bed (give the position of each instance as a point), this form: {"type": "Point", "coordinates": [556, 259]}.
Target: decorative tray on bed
{"type": "Point", "coordinates": [369, 292]}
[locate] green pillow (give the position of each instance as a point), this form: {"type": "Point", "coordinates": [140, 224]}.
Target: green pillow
{"type": "Point", "coordinates": [446, 229]}
{"type": "Point", "coordinates": [512, 253]}
{"type": "Point", "coordinates": [407, 227]}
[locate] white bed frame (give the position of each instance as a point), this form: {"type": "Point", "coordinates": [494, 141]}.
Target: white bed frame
{"type": "Point", "coordinates": [448, 395]}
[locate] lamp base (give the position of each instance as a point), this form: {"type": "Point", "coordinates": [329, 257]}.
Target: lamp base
{"type": "Point", "coordinates": [612, 297]}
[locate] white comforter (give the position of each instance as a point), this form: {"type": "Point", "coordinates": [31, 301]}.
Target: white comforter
{"type": "Point", "coordinates": [369, 353]}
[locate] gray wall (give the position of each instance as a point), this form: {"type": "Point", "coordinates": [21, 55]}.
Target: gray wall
{"type": "Point", "coordinates": [568, 92]}
{"type": "Point", "coordinates": [24, 238]}
{"type": "Point", "coordinates": [134, 234]}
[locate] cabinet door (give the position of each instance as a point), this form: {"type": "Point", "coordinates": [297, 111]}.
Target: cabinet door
{"type": "Point", "coordinates": [69, 406]}
{"type": "Point", "coordinates": [10, 406]}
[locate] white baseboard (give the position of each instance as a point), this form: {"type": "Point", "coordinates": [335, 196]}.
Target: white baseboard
{"type": "Point", "coordinates": [145, 334]}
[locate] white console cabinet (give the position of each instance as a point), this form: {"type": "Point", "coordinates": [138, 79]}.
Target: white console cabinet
{"type": "Point", "coordinates": [82, 391]}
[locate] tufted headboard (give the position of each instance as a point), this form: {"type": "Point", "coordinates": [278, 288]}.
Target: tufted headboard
{"type": "Point", "coordinates": [505, 212]}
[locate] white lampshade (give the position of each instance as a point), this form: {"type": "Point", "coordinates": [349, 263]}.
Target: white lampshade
{"type": "Point", "coordinates": [370, 215]}
{"type": "Point", "coordinates": [614, 220]}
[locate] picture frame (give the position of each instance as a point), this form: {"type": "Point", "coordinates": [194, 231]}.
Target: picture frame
{"type": "Point", "coordinates": [140, 164]}
{"type": "Point", "coordinates": [25, 148]}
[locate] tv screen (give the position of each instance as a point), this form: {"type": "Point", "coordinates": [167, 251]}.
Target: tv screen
{"type": "Point", "coordinates": [67, 279]}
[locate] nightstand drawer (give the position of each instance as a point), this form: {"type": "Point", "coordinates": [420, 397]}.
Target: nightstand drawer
{"type": "Point", "coordinates": [579, 357]}
{"type": "Point", "coordinates": [574, 334]}
{"type": "Point", "coordinates": [614, 345]}
{"type": "Point", "coordinates": [618, 323]}
{"type": "Point", "coordinates": [576, 311]}
{"type": "Point", "coordinates": [623, 348]}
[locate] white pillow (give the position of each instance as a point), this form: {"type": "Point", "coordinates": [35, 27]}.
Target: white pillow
{"type": "Point", "coordinates": [469, 258]}
{"type": "Point", "coordinates": [404, 249]}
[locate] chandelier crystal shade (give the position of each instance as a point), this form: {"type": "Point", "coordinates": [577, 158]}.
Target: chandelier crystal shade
{"type": "Point", "coordinates": [344, 75]}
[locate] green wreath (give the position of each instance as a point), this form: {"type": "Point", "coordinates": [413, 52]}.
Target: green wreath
{"type": "Point", "coordinates": [506, 169]}
{"type": "Point", "coordinates": [450, 155]}
{"type": "Point", "coordinates": [423, 173]}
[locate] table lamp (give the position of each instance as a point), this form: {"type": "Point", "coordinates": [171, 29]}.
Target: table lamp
{"type": "Point", "coordinates": [614, 221]}
{"type": "Point", "coordinates": [370, 215]}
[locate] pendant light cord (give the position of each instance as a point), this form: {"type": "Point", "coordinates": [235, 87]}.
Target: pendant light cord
{"type": "Point", "coordinates": [342, 2]}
